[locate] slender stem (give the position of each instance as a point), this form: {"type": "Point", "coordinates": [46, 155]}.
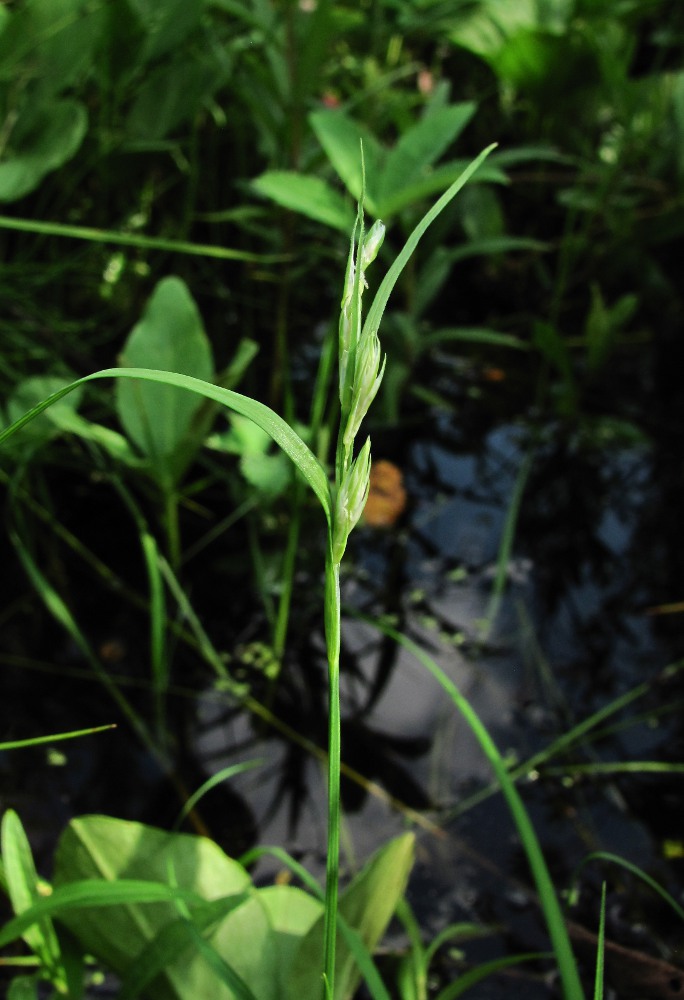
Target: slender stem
{"type": "Point", "coordinates": [172, 527]}
{"type": "Point", "coordinates": [332, 629]}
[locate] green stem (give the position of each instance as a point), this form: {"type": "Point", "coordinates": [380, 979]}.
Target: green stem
{"type": "Point", "coordinates": [332, 630]}
{"type": "Point", "coordinates": [172, 527]}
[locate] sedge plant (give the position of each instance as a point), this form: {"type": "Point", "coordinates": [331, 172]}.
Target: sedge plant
{"type": "Point", "coordinates": [360, 372]}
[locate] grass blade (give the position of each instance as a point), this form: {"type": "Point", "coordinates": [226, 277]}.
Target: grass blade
{"type": "Point", "coordinates": [92, 892]}
{"type": "Point", "coordinates": [21, 878]}
{"type": "Point", "coordinates": [463, 983]}
{"type": "Point", "coordinates": [131, 240]}
{"type": "Point", "coordinates": [383, 293]}
{"type": "Point", "coordinates": [55, 738]}
{"type": "Point", "coordinates": [173, 940]}
{"type": "Point", "coordinates": [262, 415]}
{"type": "Point", "coordinates": [615, 859]}
{"type": "Point", "coordinates": [572, 987]}
{"type": "Point", "coordinates": [600, 948]}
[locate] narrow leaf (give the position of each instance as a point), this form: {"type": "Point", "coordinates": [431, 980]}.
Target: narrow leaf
{"type": "Point", "coordinates": [22, 884]}
{"type": "Point", "coordinates": [37, 740]}
{"type": "Point", "coordinates": [283, 435]}
{"type": "Point", "coordinates": [377, 309]}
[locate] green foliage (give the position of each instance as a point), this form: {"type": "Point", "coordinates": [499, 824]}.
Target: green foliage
{"type": "Point", "coordinates": [226, 937]}
{"type": "Point", "coordinates": [45, 49]}
{"type": "Point", "coordinates": [158, 419]}
{"type": "Point", "coordinates": [399, 177]}
{"type": "Point", "coordinates": [267, 474]}
{"type": "Point", "coordinates": [311, 196]}
{"type": "Point", "coordinates": [48, 48]}
{"type": "Point", "coordinates": [23, 888]}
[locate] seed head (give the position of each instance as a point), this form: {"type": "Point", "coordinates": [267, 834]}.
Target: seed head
{"type": "Point", "coordinates": [351, 499]}
{"type": "Point", "coordinates": [372, 244]}
{"type": "Point", "coordinates": [369, 367]}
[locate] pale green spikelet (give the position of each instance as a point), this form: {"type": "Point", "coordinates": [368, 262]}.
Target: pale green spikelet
{"type": "Point", "coordinates": [351, 500]}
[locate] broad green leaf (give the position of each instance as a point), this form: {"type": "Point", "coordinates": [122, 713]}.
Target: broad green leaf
{"type": "Point", "coordinates": [292, 913]}
{"type": "Point", "coordinates": [310, 196]}
{"type": "Point", "coordinates": [22, 884]}
{"type": "Point", "coordinates": [172, 941]}
{"type": "Point", "coordinates": [538, 62]}
{"type": "Point", "coordinates": [256, 945]}
{"type": "Point", "coordinates": [101, 848]}
{"type": "Point", "coordinates": [170, 336]}
{"type": "Point", "coordinates": [341, 139]}
{"type": "Point", "coordinates": [315, 31]}
{"type": "Point", "coordinates": [366, 908]}
{"type": "Point", "coordinates": [54, 135]}
{"type": "Point", "coordinates": [480, 214]}
{"type": "Point", "coordinates": [421, 146]}
{"type": "Point", "coordinates": [269, 474]}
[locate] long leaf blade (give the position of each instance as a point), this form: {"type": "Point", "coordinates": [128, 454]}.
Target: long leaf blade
{"type": "Point", "coordinates": [389, 281]}
{"type": "Point", "coordinates": [262, 415]}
